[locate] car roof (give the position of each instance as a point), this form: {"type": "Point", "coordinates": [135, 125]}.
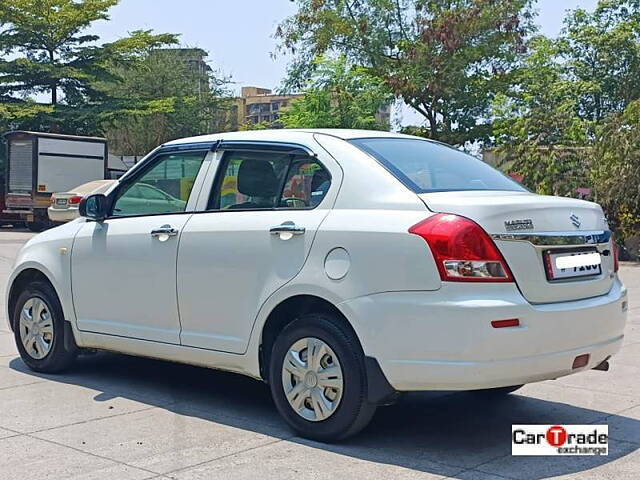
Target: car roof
{"type": "Point", "coordinates": [284, 134]}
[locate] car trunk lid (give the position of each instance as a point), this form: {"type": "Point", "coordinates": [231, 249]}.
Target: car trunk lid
{"type": "Point", "coordinates": [526, 227]}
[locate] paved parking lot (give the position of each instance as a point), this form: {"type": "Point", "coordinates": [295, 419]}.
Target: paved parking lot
{"type": "Point", "coordinates": [120, 417]}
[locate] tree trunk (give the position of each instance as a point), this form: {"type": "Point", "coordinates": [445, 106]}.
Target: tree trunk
{"type": "Point", "coordinates": [54, 83]}
{"type": "Point", "coordinates": [54, 93]}
{"type": "Point", "coordinates": [433, 125]}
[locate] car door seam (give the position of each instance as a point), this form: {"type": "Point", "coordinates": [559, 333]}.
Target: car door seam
{"type": "Point", "coordinates": [306, 258]}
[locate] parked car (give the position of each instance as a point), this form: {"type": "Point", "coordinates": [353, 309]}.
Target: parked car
{"type": "Point", "coordinates": [339, 266]}
{"type": "Point", "coordinates": [64, 205]}
{"type": "Point", "coordinates": [147, 199]}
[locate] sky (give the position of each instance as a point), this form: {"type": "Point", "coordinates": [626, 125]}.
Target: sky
{"type": "Point", "coordinates": [238, 34]}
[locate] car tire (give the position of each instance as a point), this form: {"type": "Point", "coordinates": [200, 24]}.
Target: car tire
{"type": "Point", "coordinates": [351, 412]}
{"type": "Point", "coordinates": [42, 341]}
{"type": "Point", "coordinates": [498, 390]}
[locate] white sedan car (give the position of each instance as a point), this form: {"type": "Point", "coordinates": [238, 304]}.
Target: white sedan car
{"type": "Point", "coordinates": [341, 267]}
{"type": "Point", "coordinates": [64, 205]}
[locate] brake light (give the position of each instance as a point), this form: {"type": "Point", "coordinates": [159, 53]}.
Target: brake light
{"type": "Point", "coordinates": [614, 250]}
{"type": "Point", "coordinates": [75, 200]}
{"type": "Point", "coordinates": [463, 251]}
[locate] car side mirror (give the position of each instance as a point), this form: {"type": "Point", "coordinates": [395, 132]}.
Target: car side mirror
{"type": "Point", "coordinates": [94, 207]}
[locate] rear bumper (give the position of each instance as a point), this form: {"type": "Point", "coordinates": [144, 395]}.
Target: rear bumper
{"type": "Point", "coordinates": [443, 340]}
{"type": "Point", "coordinates": [62, 215]}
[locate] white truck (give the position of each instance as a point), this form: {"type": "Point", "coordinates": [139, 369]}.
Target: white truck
{"type": "Point", "coordinates": [39, 164]}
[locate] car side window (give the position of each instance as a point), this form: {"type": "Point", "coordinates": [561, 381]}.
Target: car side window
{"type": "Point", "coordinates": [163, 188]}
{"type": "Point", "coordinates": [306, 185]}
{"type": "Point", "coordinates": [250, 181]}
{"type": "Point", "coordinates": [268, 180]}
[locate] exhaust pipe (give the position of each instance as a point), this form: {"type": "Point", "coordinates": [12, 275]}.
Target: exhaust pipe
{"type": "Point", "coordinates": [603, 366]}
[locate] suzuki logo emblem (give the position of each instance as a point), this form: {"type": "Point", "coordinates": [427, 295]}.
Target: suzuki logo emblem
{"type": "Point", "coordinates": [575, 220]}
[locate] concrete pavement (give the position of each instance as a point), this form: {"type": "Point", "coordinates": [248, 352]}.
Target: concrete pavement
{"type": "Point", "coordinates": [121, 417]}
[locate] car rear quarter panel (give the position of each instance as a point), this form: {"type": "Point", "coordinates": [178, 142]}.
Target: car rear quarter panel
{"type": "Point", "coordinates": [370, 220]}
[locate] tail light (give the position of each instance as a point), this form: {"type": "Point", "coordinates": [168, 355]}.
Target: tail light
{"type": "Point", "coordinates": [463, 251]}
{"type": "Point", "coordinates": [52, 200]}
{"type": "Point", "coordinates": [75, 200]}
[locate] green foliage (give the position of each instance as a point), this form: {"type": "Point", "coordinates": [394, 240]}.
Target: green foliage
{"type": "Point", "coordinates": [24, 111]}
{"type": "Point", "coordinates": [615, 168]}
{"type": "Point", "coordinates": [536, 127]}
{"type": "Point", "coordinates": [44, 50]}
{"type": "Point", "coordinates": [158, 97]}
{"type": "Point", "coordinates": [338, 96]}
{"type": "Point", "coordinates": [445, 58]}
{"type": "Point", "coordinates": [52, 54]}
{"type": "Point", "coordinates": [602, 53]}
{"type": "Point", "coordinates": [571, 117]}
{"type": "Point", "coordinates": [245, 127]}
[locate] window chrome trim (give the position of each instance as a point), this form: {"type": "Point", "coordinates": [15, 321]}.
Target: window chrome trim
{"type": "Point", "coordinates": [557, 239]}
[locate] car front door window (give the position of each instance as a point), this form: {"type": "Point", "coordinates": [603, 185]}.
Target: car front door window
{"type": "Point", "coordinates": [161, 189]}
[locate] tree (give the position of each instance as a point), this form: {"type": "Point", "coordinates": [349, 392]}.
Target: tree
{"type": "Point", "coordinates": [45, 52]}
{"type": "Point", "coordinates": [161, 95]}
{"type": "Point", "coordinates": [601, 50]}
{"type": "Point", "coordinates": [536, 126]}
{"type": "Point", "coordinates": [445, 58]}
{"type": "Point", "coordinates": [55, 55]}
{"type": "Point", "coordinates": [615, 169]}
{"type": "Point", "coordinates": [338, 96]}
{"type": "Point", "coordinates": [572, 117]}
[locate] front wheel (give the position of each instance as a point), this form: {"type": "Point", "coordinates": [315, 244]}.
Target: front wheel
{"type": "Point", "coordinates": [39, 330]}
{"type": "Point", "coordinates": [318, 378]}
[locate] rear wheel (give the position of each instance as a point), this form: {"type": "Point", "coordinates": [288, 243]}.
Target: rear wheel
{"type": "Point", "coordinates": [318, 379]}
{"type": "Point", "coordinates": [39, 330]}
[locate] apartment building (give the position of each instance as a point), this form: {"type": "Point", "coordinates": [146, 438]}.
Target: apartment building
{"type": "Point", "coordinates": [258, 105]}
{"type": "Point", "coordinates": [261, 105]}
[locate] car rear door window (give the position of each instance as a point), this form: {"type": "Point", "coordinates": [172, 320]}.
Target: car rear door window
{"type": "Point", "coordinates": [269, 180]}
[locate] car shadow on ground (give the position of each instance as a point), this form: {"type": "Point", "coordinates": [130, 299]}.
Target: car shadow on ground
{"type": "Point", "coordinates": [440, 433]}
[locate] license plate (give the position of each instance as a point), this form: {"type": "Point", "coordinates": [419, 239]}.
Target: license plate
{"type": "Point", "coordinates": [561, 265]}
{"type": "Point", "coordinates": [61, 201]}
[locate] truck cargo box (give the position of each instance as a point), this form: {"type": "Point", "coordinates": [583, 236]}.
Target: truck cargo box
{"type": "Point", "coordinates": [39, 164]}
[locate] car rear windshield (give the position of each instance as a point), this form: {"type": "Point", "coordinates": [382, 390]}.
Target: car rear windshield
{"type": "Point", "coordinates": [425, 166]}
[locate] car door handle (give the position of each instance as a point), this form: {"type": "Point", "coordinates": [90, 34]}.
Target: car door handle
{"type": "Point", "coordinates": [167, 230]}
{"type": "Point", "coordinates": [287, 227]}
